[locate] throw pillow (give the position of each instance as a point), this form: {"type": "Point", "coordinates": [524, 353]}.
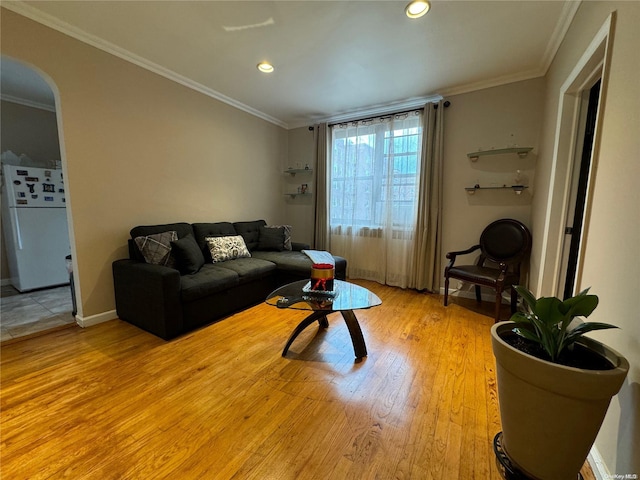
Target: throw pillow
{"type": "Point", "coordinates": [189, 257]}
{"type": "Point", "coordinates": [271, 238]}
{"type": "Point", "coordinates": [287, 234]}
{"type": "Point", "coordinates": [227, 248]}
{"type": "Point", "coordinates": [156, 248]}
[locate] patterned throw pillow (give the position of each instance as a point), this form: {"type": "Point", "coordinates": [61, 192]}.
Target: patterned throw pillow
{"type": "Point", "coordinates": [156, 248]}
{"type": "Point", "coordinates": [287, 234]}
{"type": "Point", "coordinates": [227, 248]}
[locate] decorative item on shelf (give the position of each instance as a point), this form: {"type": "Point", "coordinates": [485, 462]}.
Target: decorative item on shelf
{"type": "Point", "coordinates": [521, 151]}
{"type": "Point", "coordinates": [303, 188]}
{"type": "Point", "coordinates": [306, 167]}
{"type": "Point", "coordinates": [518, 178]}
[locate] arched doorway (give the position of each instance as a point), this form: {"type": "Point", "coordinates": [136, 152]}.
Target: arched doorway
{"type": "Point", "coordinates": [36, 223]}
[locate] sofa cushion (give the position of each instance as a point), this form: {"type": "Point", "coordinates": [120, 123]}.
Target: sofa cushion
{"type": "Point", "coordinates": [227, 248]}
{"type": "Point", "coordinates": [250, 231]}
{"type": "Point", "coordinates": [271, 238]}
{"type": "Point", "coordinates": [249, 268]}
{"type": "Point", "coordinates": [156, 248]}
{"type": "Point", "coordinates": [210, 279]}
{"type": "Point", "coordinates": [218, 229]}
{"type": "Point", "coordinates": [182, 229]}
{"type": "Point", "coordinates": [189, 258]}
{"type": "Point", "coordinates": [298, 263]}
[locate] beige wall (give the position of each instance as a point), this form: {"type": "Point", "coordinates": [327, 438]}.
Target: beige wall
{"type": "Point", "coordinates": [300, 210]}
{"type": "Point", "coordinates": [31, 131]}
{"type": "Point", "coordinates": [491, 118]}
{"type": "Point", "coordinates": [141, 149]}
{"type": "Point", "coordinates": [611, 260]}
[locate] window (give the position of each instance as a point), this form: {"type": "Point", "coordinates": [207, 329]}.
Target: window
{"type": "Point", "coordinates": [374, 173]}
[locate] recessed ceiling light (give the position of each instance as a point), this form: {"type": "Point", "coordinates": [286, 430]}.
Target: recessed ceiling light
{"type": "Point", "coordinates": [265, 67]}
{"type": "Point", "coordinates": [417, 9]}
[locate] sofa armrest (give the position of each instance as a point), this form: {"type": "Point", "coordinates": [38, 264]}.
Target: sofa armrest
{"type": "Point", "coordinates": [148, 296]}
{"type": "Point", "coordinates": [298, 246]}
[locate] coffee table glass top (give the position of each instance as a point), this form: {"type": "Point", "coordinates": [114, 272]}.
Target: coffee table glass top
{"type": "Point", "coordinates": [346, 296]}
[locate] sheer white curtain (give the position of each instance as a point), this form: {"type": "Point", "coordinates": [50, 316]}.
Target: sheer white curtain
{"type": "Point", "coordinates": [374, 171]}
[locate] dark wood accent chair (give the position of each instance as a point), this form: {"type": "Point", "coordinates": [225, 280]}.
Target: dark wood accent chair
{"type": "Point", "coordinates": [507, 244]}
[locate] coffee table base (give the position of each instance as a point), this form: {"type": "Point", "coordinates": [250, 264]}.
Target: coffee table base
{"type": "Point", "coordinates": [359, 347]}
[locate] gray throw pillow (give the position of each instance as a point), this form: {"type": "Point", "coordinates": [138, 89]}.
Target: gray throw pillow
{"type": "Point", "coordinates": [156, 248]}
{"type": "Point", "coordinates": [287, 234]}
{"type": "Point", "coordinates": [271, 238]}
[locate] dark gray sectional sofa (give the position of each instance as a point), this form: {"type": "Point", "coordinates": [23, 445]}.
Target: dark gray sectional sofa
{"type": "Point", "coordinates": [167, 302]}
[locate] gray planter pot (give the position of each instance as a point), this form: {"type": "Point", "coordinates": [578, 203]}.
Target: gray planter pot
{"type": "Point", "coordinates": [551, 413]}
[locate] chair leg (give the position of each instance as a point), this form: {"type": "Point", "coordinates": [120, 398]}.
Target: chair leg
{"type": "Point", "coordinates": [514, 300]}
{"type": "Point", "coordinates": [446, 290]}
{"type": "Point", "coordinates": [478, 294]}
{"type": "Point", "coordinates": [498, 303]}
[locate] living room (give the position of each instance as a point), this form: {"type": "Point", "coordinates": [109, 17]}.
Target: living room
{"type": "Point", "coordinates": [142, 149]}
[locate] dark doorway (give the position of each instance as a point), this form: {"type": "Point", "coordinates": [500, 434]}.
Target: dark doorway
{"type": "Point", "coordinates": [575, 229]}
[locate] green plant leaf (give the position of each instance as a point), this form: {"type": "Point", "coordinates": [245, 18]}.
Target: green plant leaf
{"type": "Point", "coordinates": [580, 330]}
{"type": "Point", "coordinates": [526, 295]}
{"type": "Point", "coordinates": [527, 334]}
{"type": "Point", "coordinates": [547, 310]}
{"type": "Point", "coordinates": [581, 305]}
{"type": "Point", "coordinates": [520, 317]}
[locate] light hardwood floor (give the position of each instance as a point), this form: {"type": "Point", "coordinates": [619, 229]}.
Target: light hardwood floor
{"type": "Point", "coordinates": [114, 402]}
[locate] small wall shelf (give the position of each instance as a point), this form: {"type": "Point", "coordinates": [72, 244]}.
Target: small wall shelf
{"type": "Point", "coordinates": [293, 171]}
{"type": "Point", "coordinates": [521, 151]}
{"type": "Point", "coordinates": [295, 194]}
{"type": "Point", "coordinates": [517, 189]}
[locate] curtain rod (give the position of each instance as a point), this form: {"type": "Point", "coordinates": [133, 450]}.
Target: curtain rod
{"type": "Point", "coordinates": [445, 104]}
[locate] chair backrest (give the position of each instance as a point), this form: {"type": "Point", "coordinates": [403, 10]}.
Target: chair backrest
{"type": "Point", "coordinates": [505, 240]}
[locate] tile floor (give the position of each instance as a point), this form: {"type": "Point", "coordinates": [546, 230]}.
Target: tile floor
{"type": "Point", "coordinates": [32, 312]}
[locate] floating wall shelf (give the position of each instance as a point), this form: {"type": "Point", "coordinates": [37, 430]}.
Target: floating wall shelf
{"type": "Point", "coordinates": [294, 195]}
{"type": "Point", "coordinates": [293, 171]}
{"type": "Point", "coordinates": [521, 151]}
{"type": "Point", "coordinates": [517, 189]}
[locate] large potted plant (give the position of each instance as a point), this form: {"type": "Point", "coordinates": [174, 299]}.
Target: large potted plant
{"type": "Point", "coordinates": [554, 385]}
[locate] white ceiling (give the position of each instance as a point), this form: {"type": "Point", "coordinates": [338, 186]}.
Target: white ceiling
{"type": "Point", "coordinates": [332, 58]}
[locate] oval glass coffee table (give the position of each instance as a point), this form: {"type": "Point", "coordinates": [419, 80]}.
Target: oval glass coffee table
{"type": "Point", "coordinates": [346, 298]}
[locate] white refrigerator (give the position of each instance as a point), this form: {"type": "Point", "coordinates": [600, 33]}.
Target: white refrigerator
{"type": "Point", "coordinates": [34, 220]}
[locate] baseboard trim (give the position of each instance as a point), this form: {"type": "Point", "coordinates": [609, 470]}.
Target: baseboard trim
{"type": "Point", "coordinates": [486, 297]}
{"type": "Point", "coordinates": [96, 319]}
{"type": "Point", "coordinates": [597, 464]}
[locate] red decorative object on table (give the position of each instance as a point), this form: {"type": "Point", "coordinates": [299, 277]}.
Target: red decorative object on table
{"type": "Point", "coordinates": [322, 276]}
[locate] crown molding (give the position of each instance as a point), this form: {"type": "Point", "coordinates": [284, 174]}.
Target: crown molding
{"type": "Point", "coordinates": [494, 82]}
{"type": "Point", "coordinates": [569, 10]}
{"type": "Point", "coordinates": [27, 103]}
{"type": "Point", "coordinates": [382, 109]}
{"type": "Point", "coordinates": [52, 22]}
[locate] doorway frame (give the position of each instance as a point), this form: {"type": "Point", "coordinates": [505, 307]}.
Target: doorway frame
{"type": "Point", "coordinates": [63, 160]}
{"type": "Point", "coordinates": [594, 62]}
